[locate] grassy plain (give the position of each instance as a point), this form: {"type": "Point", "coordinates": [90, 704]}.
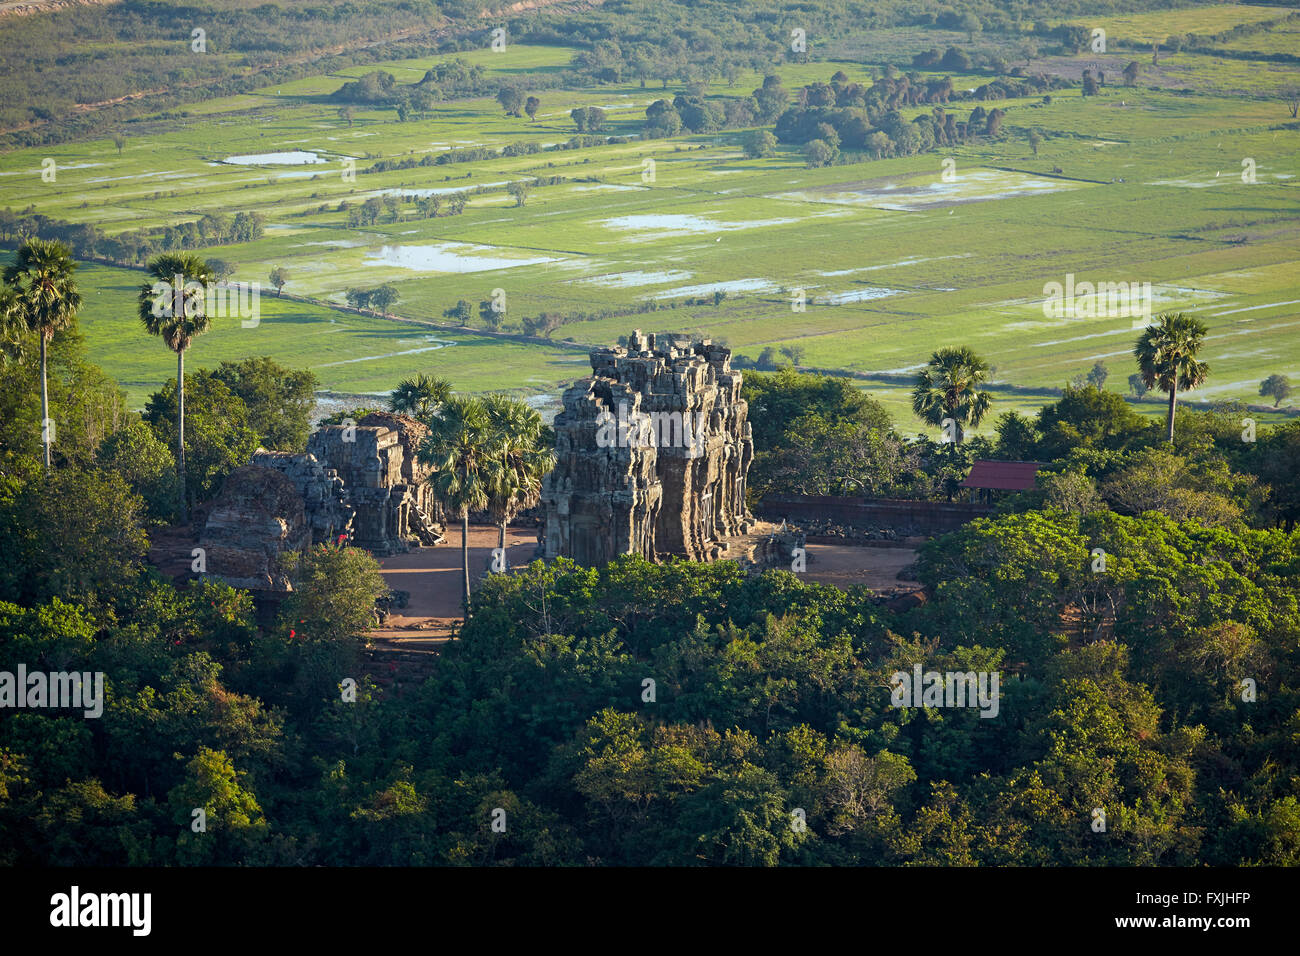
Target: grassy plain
{"type": "Point", "coordinates": [1159, 25]}
{"type": "Point", "coordinates": [1137, 184]}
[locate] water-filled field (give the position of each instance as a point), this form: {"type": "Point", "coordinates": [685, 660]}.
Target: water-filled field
{"type": "Point", "coordinates": [865, 267]}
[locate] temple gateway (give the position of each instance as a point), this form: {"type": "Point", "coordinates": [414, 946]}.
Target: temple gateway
{"type": "Point", "coordinates": [651, 453]}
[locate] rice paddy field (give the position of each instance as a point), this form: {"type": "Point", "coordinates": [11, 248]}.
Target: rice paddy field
{"type": "Point", "coordinates": [1190, 189]}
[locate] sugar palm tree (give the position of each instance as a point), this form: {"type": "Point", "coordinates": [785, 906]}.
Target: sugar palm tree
{"type": "Point", "coordinates": [948, 387]}
{"type": "Point", "coordinates": [177, 316]}
{"type": "Point", "coordinates": [524, 460]}
{"type": "Point", "coordinates": [1166, 356]}
{"type": "Point", "coordinates": [419, 396]}
{"type": "Point", "coordinates": [462, 447]}
{"type": "Point", "coordinates": [44, 300]}
{"type": "Point", "coordinates": [12, 327]}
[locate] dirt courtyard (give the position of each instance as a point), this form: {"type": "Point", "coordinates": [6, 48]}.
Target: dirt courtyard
{"type": "Point", "coordinates": [844, 565]}
{"type": "Point", "coordinates": [431, 576]}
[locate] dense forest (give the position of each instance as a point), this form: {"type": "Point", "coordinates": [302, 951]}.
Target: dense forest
{"type": "Point", "coordinates": [675, 713]}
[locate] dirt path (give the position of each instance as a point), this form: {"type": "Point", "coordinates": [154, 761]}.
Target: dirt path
{"type": "Point", "coordinates": [432, 577]}
{"type": "Point", "coordinates": [22, 8]}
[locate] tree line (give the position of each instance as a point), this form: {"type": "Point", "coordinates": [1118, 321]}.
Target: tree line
{"type": "Point", "coordinates": [133, 247]}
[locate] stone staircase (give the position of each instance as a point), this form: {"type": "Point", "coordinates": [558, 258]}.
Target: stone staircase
{"type": "Point", "coordinates": [398, 666]}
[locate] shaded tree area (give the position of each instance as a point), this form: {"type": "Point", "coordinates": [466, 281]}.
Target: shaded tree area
{"type": "Point", "coordinates": [136, 246]}
{"type": "Point", "coordinates": [230, 411]}
{"type": "Point", "coordinates": [769, 696]}
{"type": "Point", "coordinates": [821, 435]}
{"type": "Point", "coordinates": [1101, 455]}
{"type": "Point", "coordinates": [672, 714]}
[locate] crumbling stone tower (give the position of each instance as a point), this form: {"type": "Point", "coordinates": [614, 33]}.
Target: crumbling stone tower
{"type": "Point", "coordinates": [652, 452]}
{"type": "Point", "coordinates": [384, 479]}
{"type": "Point", "coordinates": [361, 483]}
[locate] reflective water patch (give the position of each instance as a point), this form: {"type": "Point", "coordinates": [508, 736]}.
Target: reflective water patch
{"type": "Point", "coordinates": [294, 157]}
{"type": "Point", "coordinates": [450, 257]}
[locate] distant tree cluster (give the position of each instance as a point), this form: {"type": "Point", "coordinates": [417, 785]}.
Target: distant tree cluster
{"type": "Point", "coordinates": [473, 154]}
{"type": "Point", "coordinates": [588, 119]}
{"type": "Point", "coordinates": [547, 322]}
{"type": "Point", "coordinates": [390, 208]}
{"type": "Point", "coordinates": [378, 300]}
{"type": "Point", "coordinates": [395, 165]}
{"type": "Point", "coordinates": [448, 79]}
{"type": "Point", "coordinates": [134, 247]}
{"type": "Point", "coordinates": [373, 88]}
{"type": "Point", "coordinates": [956, 60]}
{"type": "Point", "coordinates": [456, 77]}
{"type": "Point", "coordinates": [841, 115]}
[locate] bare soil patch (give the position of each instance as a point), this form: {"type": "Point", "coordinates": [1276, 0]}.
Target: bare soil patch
{"type": "Point", "coordinates": [846, 565]}
{"type": "Point", "coordinates": [432, 577]}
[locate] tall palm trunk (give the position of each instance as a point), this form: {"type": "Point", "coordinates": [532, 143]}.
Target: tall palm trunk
{"type": "Point", "coordinates": [180, 431]}
{"type": "Point", "coordinates": [1173, 400]}
{"type": "Point", "coordinates": [501, 543]}
{"type": "Point", "coordinates": [464, 558]}
{"type": "Point", "coordinates": [45, 406]}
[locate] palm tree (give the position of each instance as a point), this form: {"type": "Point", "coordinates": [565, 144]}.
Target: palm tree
{"type": "Point", "coordinates": [12, 327]}
{"type": "Point", "coordinates": [524, 460]}
{"type": "Point", "coordinates": [461, 446]}
{"type": "Point", "coordinates": [1166, 355]}
{"type": "Point", "coordinates": [948, 388]}
{"type": "Point", "coordinates": [177, 317]}
{"type": "Point", "coordinates": [419, 396]}
{"type": "Point", "coordinates": [45, 300]}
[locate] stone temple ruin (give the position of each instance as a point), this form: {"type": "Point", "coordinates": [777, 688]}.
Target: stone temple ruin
{"type": "Point", "coordinates": [361, 483]}
{"type": "Point", "coordinates": [652, 452]}
{"type": "Point", "coordinates": [383, 479]}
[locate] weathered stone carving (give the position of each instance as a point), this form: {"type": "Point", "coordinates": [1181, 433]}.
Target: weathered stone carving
{"type": "Point", "coordinates": [329, 516]}
{"type": "Point", "coordinates": [383, 478]}
{"type": "Point", "coordinates": [652, 454]}
{"type": "Point", "coordinates": [362, 483]}
{"type": "Point", "coordinates": [258, 516]}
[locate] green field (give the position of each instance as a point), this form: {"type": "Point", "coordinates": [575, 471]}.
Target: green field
{"type": "Point", "coordinates": [1134, 185]}
{"type": "Point", "coordinates": [1282, 38]}
{"type": "Point", "coordinates": [1157, 26]}
{"type": "Point", "coordinates": [351, 354]}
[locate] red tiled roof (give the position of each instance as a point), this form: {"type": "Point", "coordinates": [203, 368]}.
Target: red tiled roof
{"type": "Point", "coordinates": [1002, 475]}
